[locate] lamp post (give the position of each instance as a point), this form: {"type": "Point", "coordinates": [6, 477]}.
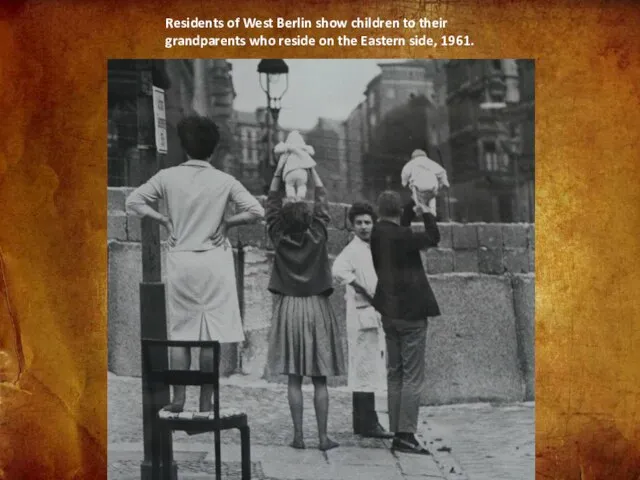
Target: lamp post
{"type": "Point", "coordinates": [274, 81]}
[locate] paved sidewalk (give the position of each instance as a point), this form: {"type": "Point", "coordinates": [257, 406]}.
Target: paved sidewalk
{"type": "Point", "coordinates": [468, 442]}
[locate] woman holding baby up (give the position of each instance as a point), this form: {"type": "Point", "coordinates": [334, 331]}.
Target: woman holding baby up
{"type": "Point", "coordinates": [304, 339]}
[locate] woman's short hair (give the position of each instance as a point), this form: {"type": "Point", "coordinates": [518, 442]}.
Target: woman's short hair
{"type": "Point", "coordinates": [199, 136]}
{"type": "Point", "coordinates": [361, 208]}
{"type": "Point", "coordinates": [296, 217]}
{"type": "Point", "coordinates": [389, 204]}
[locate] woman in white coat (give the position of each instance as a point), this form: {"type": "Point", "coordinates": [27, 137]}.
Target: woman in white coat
{"type": "Point", "coordinates": [365, 337]}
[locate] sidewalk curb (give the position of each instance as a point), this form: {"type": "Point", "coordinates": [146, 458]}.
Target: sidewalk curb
{"type": "Point", "coordinates": [442, 455]}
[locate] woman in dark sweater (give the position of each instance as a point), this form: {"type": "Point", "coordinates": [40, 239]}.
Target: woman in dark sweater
{"type": "Point", "coordinates": [304, 339]}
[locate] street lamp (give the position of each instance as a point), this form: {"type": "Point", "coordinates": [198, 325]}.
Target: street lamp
{"type": "Point", "coordinates": [274, 81]}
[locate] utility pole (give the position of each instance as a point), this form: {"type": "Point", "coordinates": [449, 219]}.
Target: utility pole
{"type": "Point", "coordinates": [153, 322]}
{"type": "Point", "coordinates": [269, 157]}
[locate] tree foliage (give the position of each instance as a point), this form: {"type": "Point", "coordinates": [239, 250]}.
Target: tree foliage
{"type": "Point", "coordinates": [403, 129]}
{"type": "Point", "coordinates": [399, 133]}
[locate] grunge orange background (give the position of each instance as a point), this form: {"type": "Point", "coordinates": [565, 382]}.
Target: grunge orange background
{"type": "Point", "coordinates": [53, 202]}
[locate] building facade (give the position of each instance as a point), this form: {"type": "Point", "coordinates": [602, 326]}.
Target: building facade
{"type": "Point", "coordinates": [194, 86]}
{"type": "Point", "coordinates": [250, 133]}
{"type": "Point", "coordinates": [328, 138]}
{"type": "Point", "coordinates": [490, 168]}
{"type": "Point", "coordinates": [396, 83]}
{"type": "Point", "coordinates": [396, 87]}
{"type": "Point", "coordinates": [355, 148]}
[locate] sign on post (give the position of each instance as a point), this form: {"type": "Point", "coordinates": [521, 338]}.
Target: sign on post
{"type": "Point", "coordinates": [160, 118]}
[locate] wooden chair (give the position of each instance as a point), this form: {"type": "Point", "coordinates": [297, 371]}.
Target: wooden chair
{"type": "Point", "coordinates": [192, 422]}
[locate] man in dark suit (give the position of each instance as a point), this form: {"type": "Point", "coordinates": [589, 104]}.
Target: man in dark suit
{"type": "Point", "coordinates": [405, 300]}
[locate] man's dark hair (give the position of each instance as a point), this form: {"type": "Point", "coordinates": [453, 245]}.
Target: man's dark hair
{"type": "Point", "coordinates": [389, 204]}
{"type": "Point", "coordinates": [296, 217]}
{"type": "Point", "coordinates": [199, 136]}
{"type": "Point", "coordinates": [361, 208]}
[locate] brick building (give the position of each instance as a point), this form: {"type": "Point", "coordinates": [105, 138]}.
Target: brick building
{"type": "Point", "coordinates": [250, 134]}
{"type": "Point", "coordinates": [195, 86]}
{"type": "Point", "coordinates": [328, 138]}
{"type": "Point", "coordinates": [491, 108]}
{"type": "Point", "coordinates": [396, 83]}
{"type": "Point", "coordinates": [355, 128]}
{"type": "Point", "coordinates": [394, 87]}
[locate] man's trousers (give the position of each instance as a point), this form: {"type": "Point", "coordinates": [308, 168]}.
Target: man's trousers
{"type": "Point", "coordinates": [406, 343]}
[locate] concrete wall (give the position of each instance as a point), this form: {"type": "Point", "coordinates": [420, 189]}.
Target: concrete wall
{"type": "Point", "coordinates": [480, 349]}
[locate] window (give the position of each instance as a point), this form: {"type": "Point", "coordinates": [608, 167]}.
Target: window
{"type": "Point", "coordinates": [391, 93]}
{"type": "Point", "coordinates": [430, 92]}
{"type": "Point", "coordinates": [496, 64]}
{"type": "Point", "coordinates": [490, 157]}
{"type": "Point", "coordinates": [513, 92]}
{"type": "Point", "coordinates": [371, 99]}
{"type": "Point", "coordinates": [372, 119]}
{"type": "Point", "coordinates": [496, 96]}
{"type": "Point", "coordinates": [112, 130]}
{"type": "Point", "coordinates": [433, 135]}
{"type": "Point", "coordinates": [506, 161]}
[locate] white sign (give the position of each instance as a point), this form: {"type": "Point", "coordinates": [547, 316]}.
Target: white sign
{"type": "Point", "coordinates": [160, 117]}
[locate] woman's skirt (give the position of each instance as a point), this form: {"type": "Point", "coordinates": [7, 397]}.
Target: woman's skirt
{"type": "Point", "coordinates": [304, 338]}
{"type": "Point", "coordinates": [202, 300]}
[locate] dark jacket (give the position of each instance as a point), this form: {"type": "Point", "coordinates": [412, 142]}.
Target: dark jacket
{"type": "Point", "coordinates": [301, 264]}
{"type": "Point", "coordinates": [403, 290]}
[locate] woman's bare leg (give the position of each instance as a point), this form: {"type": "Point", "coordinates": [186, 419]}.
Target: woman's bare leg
{"type": "Point", "coordinates": [321, 404]}
{"type": "Point", "coordinates": [296, 407]}
{"type": "Point", "coordinates": [180, 359]}
{"type": "Point", "coordinates": [206, 391]}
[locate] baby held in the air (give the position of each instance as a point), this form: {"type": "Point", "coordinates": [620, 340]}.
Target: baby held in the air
{"type": "Point", "coordinates": [296, 168]}
{"type": "Point", "coordinates": [425, 178]}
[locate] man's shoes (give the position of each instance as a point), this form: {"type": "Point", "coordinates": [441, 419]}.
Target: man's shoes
{"type": "Point", "coordinates": [365, 418]}
{"type": "Point", "coordinates": [409, 445]}
{"type": "Point", "coordinates": [376, 431]}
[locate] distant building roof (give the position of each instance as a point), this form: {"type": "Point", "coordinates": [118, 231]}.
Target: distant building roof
{"type": "Point", "coordinates": [246, 117]}
{"type": "Point", "coordinates": [404, 63]}
{"type": "Point", "coordinates": [325, 123]}
{"type": "Point", "coordinates": [425, 63]}
{"type": "Point", "coordinates": [371, 82]}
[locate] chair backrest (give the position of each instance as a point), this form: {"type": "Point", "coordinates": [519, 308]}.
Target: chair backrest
{"type": "Point", "coordinates": [155, 372]}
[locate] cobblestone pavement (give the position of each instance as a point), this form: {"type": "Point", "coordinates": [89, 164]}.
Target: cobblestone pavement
{"type": "Point", "coordinates": [468, 442]}
{"type": "Point", "coordinates": [266, 407]}
{"type": "Point", "coordinates": [488, 442]}
{"type": "Point", "coordinates": [130, 470]}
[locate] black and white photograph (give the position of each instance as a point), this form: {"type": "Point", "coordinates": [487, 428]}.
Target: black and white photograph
{"type": "Point", "coordinates": [321, 269]}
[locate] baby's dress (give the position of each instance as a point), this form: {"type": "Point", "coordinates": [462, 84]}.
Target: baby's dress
{"type": "Point", "coordinates": [424, 177]}
{"type": "Point", "coordinates": [294, 173]}
{"type": "Point", "coordinates": [297, 161]}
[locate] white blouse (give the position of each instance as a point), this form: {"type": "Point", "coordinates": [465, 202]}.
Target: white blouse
{"type": "Point", "coordinates": [197, 196]}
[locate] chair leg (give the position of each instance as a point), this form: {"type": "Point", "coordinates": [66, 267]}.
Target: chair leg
{"type": "Point", "coordinates": [218, 454]}
{"type": "Point", "coordinates": [167, 461]}
{"type": "Point", "coordinates": [245, 445]}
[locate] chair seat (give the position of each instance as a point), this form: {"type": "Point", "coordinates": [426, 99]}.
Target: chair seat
{"type": "Point", "coordinates": [229, 418]}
